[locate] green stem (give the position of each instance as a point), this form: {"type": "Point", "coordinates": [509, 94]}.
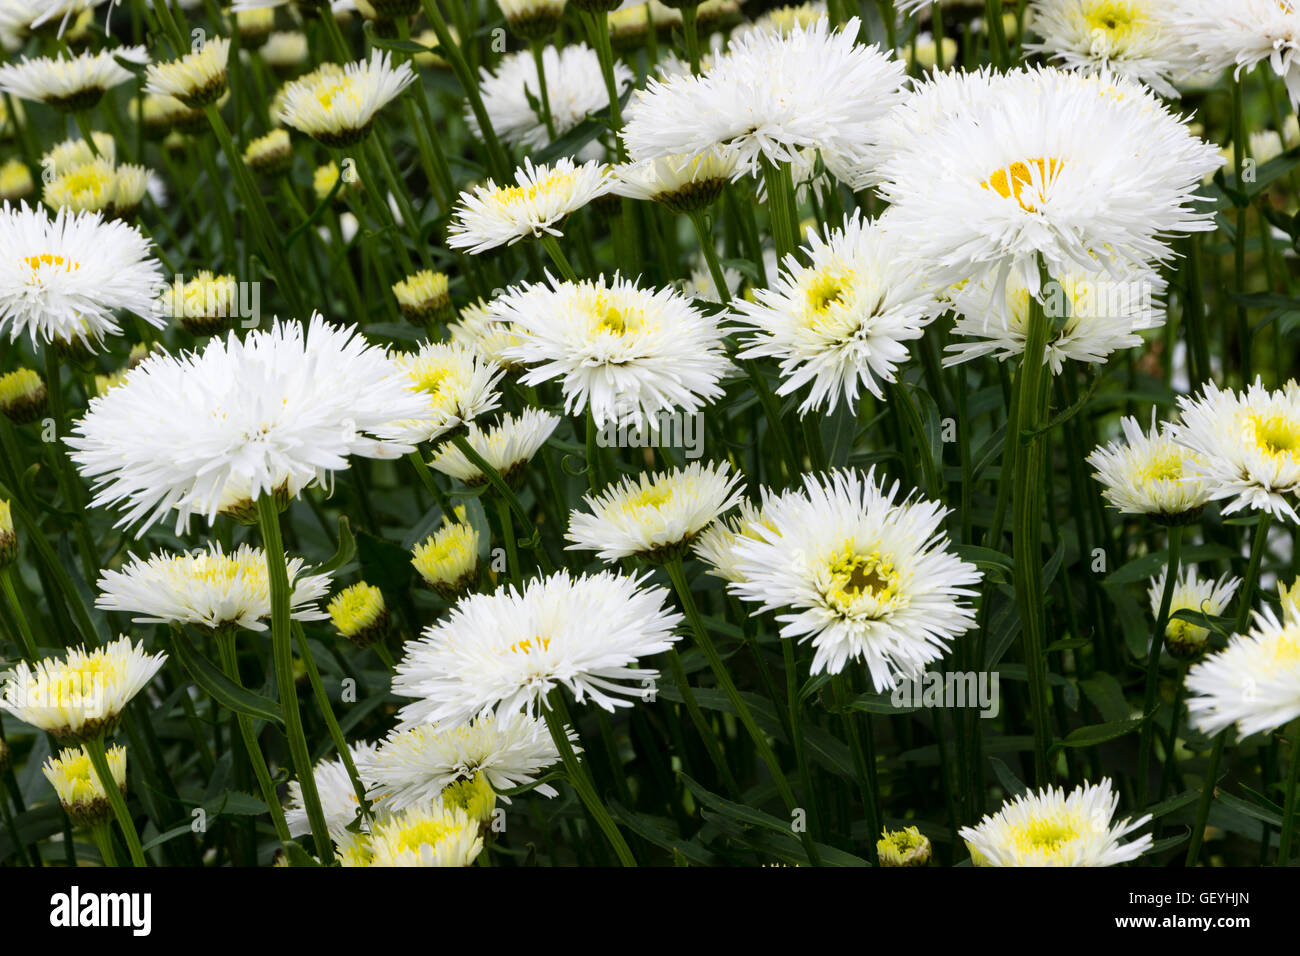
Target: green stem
{"type": "Point", "coordinates": [1290, 810]}
{"type": "Point", "coordinates": [268, 518]}
{"type": "Point", "coordinates": [692, 35]}
{"type": "Point", "coordinates": [99, 760]}
{"type": "Point", "coordinates": [1027, 526]}
{"type": "Point", "coordinates": [557, 257]}
{"type": "Point", "coordinates": [677, 573]}
{"type": "Point", "coordinates": [578, 775]}
{"type": "Point", "coordinates": [1153, 665]}
{"type": "Point", "coordinates": [1246, 595]}
{"type": "Point", "coordinates": [543, 95]}
{"type": "Point", "coordinates": [103, 837]}
{"type": "Point", "coordinates": [230, 665]}
{"type": "Point", "coordinates": [15, 605]}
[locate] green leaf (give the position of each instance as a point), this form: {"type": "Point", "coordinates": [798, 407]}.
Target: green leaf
{"type": "Point", "coordinates": [298, 856]}
{"type": "Point", "coordinates": [346, 549]}
{"type": "Point", "coordinates": [1149, 565]}
{"type": "Point", "coordinates": [218, 686]}
{"type": "Point", "coordinates": [661, 833]}
{"type": "Point", "coordinates": [1012, 784]}
{"type": "Point", "coordinates": [1106, 694]}
{"type": "Point", "coordinates": [1095, 734]}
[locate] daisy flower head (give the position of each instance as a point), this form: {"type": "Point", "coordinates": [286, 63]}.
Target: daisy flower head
{"type": "Point", "coordinates": [506, 651]}
{"type": "Point", "coordinates": [1248, 445]}
{"type": "Point", "coordinates": [769, 97]}
{"type": "Point", "coordinates": [338, 797]}
{"type": "Point", "coordinates": [447, 560]}
{"type": "Point", "coordinates": [284, 50]}
{"type": "Point", "coordinates": [270, 155]}
{"type": "Point", "coordinates": [15, 181]}
{"type": "Point", "coordinates": [203, 305]}
{"type": "Point", "coordinates": [80, 790]}
{"type": "Point", "coordinates": [507, 446]}
{"type": "Point", "coordinates": [1138, 39]}
{"type": "Point", "coordinates": [1254, 682]}
{"type": "Point", "coordinates": [862, 574]}
{"type": "Point", "coordinates": [624, 352]}
{"type": "Point", "coordinates": [655, 516]}
{"type": "Point", "coordinates": [1150, 473]}
{"type": "Point", "coordinates": [431, 834]}
{"type": "Point", "coordinates": [63, 277]}
{"type": "Point", "coordinates": [841, 321]}
{"type": "Point", "coordinates": [207, 588]}
{"type": "Point", "coordinates": [425, 297]}
{"type": "Point", "coordinates": [270, 415]}
{"type": "Point", "coordinates": [1070, 169]}
{"type": "Point", "coordinates": [476, 329]}
{"type": "Point", "coordinates": [575, 89]}
{"type": "Point", "coordinates": [455, 384]}
{"type": "Point", "coordinates": [906, 847]}
{"type": "Point", "coordinates": [1094, 313]}
{"type": "Point", "coordinates": [81, 695]}
{"type": "Point", "coordinates": [197, 79]}
{"type": "Point", "coordinates": [1184, 639]}
{"type": "Point", "coordinates": [716, 544]}
{"type": "Point", "coordinates": [337, 110]}
{"type": "Point", "coordinates": [683, 184]}
{"type": "Point", "coordinates": [360, 614]}
{"type": "Point", "coordinates": [69, 83]}
{"type": "Point", "coordinates": [21, 17]}
{"type": "Point", "coordinates": [489, 216]}
{"type": "Point", "coordinates": [1052, 828]}
{"type": "Point", "coordinates": [23, 396]}
{"type": "Point", "coordinates": [1244, 34]}
{"type": "Point", "coordinates": [416, 765]}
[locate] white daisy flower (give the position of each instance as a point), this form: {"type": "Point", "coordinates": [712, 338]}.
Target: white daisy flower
{"type": "Point", "coordinates": [80, 790]}
{"type": "Point", "coordinates": [208, 588]}
{"type": "Point", "coordinates": [842, 320]}
{"type": "Point", "coordinates": [490, 215]}
{"type": "Point", "coordinates": [1052, 828]}
{"type": "Point", "coordinates": [682, 183]}
{"type": "Point", "coordinates": [338, 797]}
{"type": "Point", "coordinates": [337, 110]}
{"type": "Point", "coordinates": [1254, 682]}
{"type": "Point", "coordinates": [197, 79]}
{"type": "Point", "coordinates": [63, 278]}
{"type": "Point", "coordinates": [864, 576]}
{"type": "Point", "coordinates": [1150, 473]}
{"type": "Point", "coordinates": [507, 650]}
{"type": "Point", "coordinates": [415, 766]}
{"type": "Point", "coordinates": [507, 446]}
{"type": "Point", "coordinates": [81, 695]}
{"type": "Point", "coordinates": [1077, 169]}
{"type": "Point", "coordinates": [1248, 444]}
{"type": "Point", "coordinates": [1139, 39]}
{"type": "Point", "coordinates": [1244, 33]}
{"type": "Point", "coordinates": [22, 16]}
{"type": "Point", "coordinates": [272, 414]}
{"type": "Point", "coordinates": [716, 544]}
{"type": "Point", "coordinates": [575, 89]}
{"type": "Point", "coordinates": [455, 384]}
{"type": "Point", "coordinates": [447, 560]}
{"type": "Point", "coordinates": [1104, 310]}
{"type": "Point", "coordinates": [476, 329]}
{"type": "Point", "coordinates": [770, 96]}
{"type": "Point", "coordinates": [653, 514]}
{"type": "Point", "coordinates": [69, 83]}
{"type": "Point", "coordinates": [422, 835]}
{"type": "Point", "coordinates": [624, 352]}
{"type": "Point", "coordinates": [1191, 592]}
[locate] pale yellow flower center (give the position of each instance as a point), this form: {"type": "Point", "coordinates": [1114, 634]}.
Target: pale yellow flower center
{"type": "Point", "coordinates": [1010, 182]}
{"type": "Point", "coordinates": [1276, 436]}
{"type": "Point", "coordinates": [864, 576]}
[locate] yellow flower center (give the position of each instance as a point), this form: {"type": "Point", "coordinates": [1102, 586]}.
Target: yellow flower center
{"type": "Point", "coordinates": [1010, 182]}
{"type": "Point", "coordinates": [327, 93]}
{"type": "Point", "coordinates": [530, 644]}
{"type": "Point", "coordinates": [1276, 436]}
{"type": "Point", "coordinates": [519, 195]}
{"type": "Point", "coordinates": [48, 260]}
{"type": "Point", "coordinates": [655, 496]}
{"type": "Point", "coordinates": [1046, 836]}
{"type": "Point", "coordinates": [1111, 16]}
{"type": "Point", "coordinates": [864, 582]}
{"type": "Point", "coordinates": [825, 291]}
{"type": "Point", "coordinates": [1167, 467]}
